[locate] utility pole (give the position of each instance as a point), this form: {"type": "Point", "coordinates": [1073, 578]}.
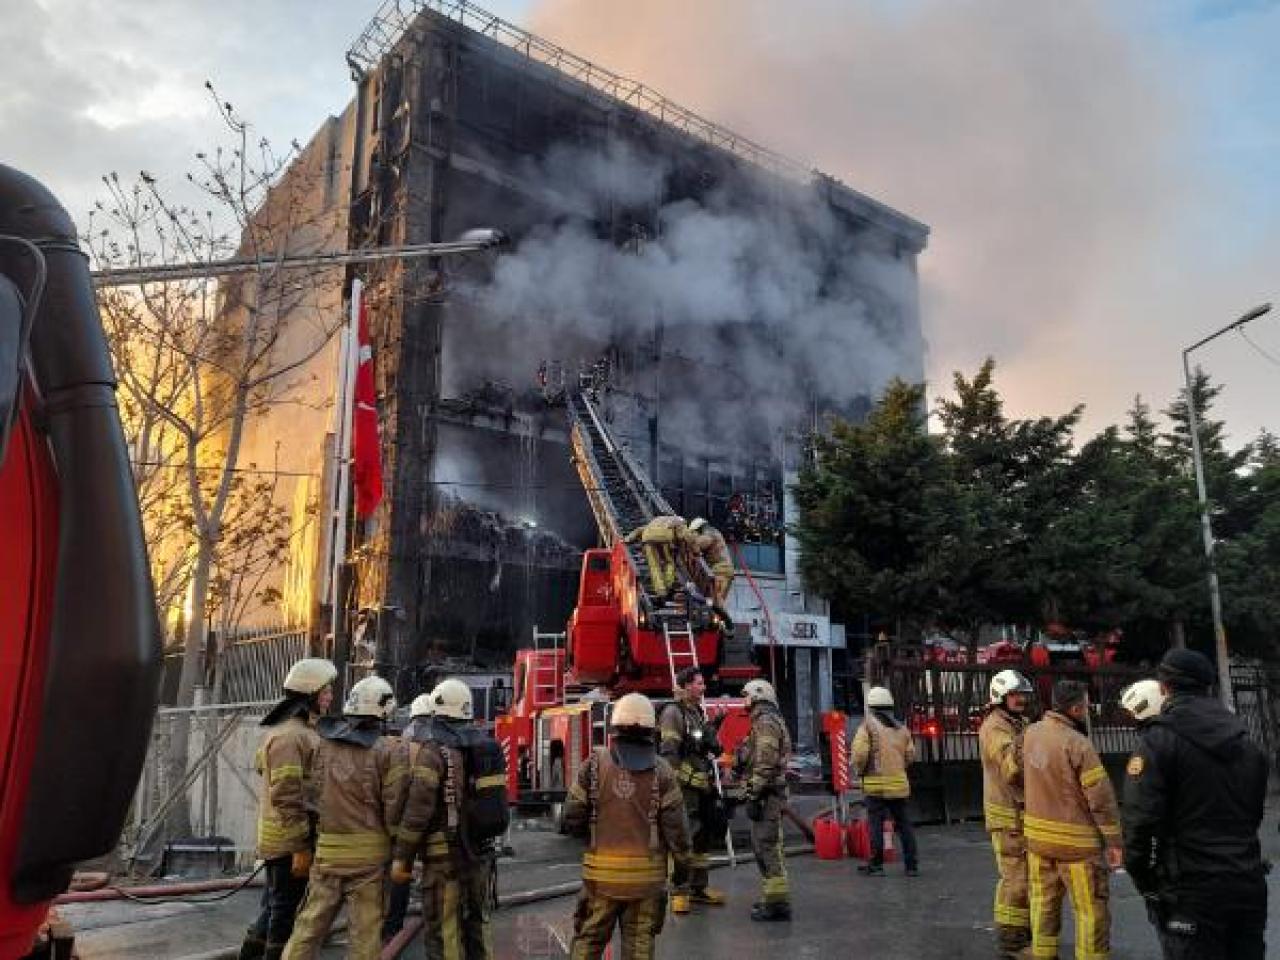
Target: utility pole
{"type": "Point", "coordinates": [1206, 525]}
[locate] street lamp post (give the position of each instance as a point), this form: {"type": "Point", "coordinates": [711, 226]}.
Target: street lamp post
{"type": "Point", "coordinates": [1206, 526]}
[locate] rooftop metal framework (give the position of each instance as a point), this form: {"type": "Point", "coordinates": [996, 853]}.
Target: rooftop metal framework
{"type": "Point", "coordinates": [394, 18]}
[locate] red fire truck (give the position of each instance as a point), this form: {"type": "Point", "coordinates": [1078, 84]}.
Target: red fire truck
{"type": "Point", "coordinates": [620, 638]}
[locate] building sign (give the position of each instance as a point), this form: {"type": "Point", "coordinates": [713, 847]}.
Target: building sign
{"type": "Point", "coordinates": [794, 630]}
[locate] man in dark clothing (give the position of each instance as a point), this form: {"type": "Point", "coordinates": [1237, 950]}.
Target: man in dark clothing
{"type": "Point", "coordinates": [1194, 795]}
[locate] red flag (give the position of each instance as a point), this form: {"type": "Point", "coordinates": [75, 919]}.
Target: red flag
{"type": "Point", "coordinates": [365, 447]}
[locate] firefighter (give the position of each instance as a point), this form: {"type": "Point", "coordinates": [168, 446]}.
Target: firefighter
{"type": "Point", "coordinates": [763, 757]}
{"type": "Point", "coordinates": [360, 775]}
{"type": "Point", "coordinates": [1071, 827]}
{"type": "Point", "coordinates": [456, 881]}
{"type": "Point", "coordinates": [882, 751]}
{"type": "Point", "coordinates": [418, 730]}
{"type": "Point", "coordinates": [661, 537]}
{"type": "Point", "coordinates": [709, 543]}
{"type": "Point", "coordinates": [1194, 794]}
{"type": "Point", "coordinates": [1000, 747]}
{"type": "Point", "coordinates": [688, 742]}
{"type": "Point", "coordinates": [1143, 700]}
{"type": "Point", "coordinates": [626, 801]}
{"type": "Point", "coordinates": [284, 762]}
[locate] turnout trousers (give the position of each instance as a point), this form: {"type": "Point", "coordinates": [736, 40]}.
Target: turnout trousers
{"type": "Point", "coordinates": [326, 892]}
{"type": "Point", "coordinates": [1087, 884]}
{"type": "Point", "coordinates": [1012, 910]}
{"type": "Point", "coordinates": [697, 805]}
{"type": "Point", "coordinates": [880, 809]}
{"type": "Point", "coordinates": [640, 922]}
{"type": "Point", "coordinates": [456, 905]}
{"type": "Point", "coordinates": [280, 899]}
{"type": "Point", "coordinates": [766, 844]}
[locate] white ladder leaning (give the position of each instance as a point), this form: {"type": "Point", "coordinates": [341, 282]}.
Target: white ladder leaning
{"type": "Point", "coordinates": [682, 651]}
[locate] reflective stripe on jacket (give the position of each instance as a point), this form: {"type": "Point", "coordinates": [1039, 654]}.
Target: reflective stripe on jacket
{"type": "Point", "coordinates": [1071, 809]}
{"type": "Point", "coordinates": [1000, 745]}
{"type": "Point", "coordinates": [284, 760]}
{"type": "Point", "coordinates": [361, 796]}
{"type": "Point", "coordinates": [881, 754]}
{"type": "Point", "coordinates": [682, 729]}
{"type": "Point", "coordinates": [766, 751]}
{"type": "Point", "coordinates": [635, 819]}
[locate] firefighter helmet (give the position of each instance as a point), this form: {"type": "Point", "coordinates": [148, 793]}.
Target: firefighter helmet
{"type": "Point", "coordinates": [1006, 682]}
{"type": "Point", "coordinates": [452, 700]}
{"type": "Point", "coordinates": [371, 697]}
{"type": "Point", "coordinates": [633, 710]}
{"type": "Point", "coordinates": [697, 523]}
{"type": "Point", "coordinates": [760, 690]}
{"type": "Point", "coordinates": [422, 706]}
{"type": "Point", "coordinates": [1143, 699]}
{"type": "Point", "coordinates": [310, 675]}
{"type": "Point", "coordinates": [880, 698]}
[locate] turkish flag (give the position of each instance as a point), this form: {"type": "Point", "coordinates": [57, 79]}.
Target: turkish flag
{"type": "Point", "coordinates": [365, 446]}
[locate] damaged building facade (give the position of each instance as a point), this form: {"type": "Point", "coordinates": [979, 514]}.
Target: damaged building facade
{"type": "Point", "coordinates": [721, 301]}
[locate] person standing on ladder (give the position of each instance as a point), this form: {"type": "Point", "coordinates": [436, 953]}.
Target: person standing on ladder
{"type": "Point", "coordinates": [660, 538]}
{"type": "Point", "coordinates": [710, 545]}
{"type": "Point", "coordinates": [689, 743]}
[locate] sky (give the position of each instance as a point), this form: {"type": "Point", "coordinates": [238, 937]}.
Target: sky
{"type": "Point", "coordinates": [1100, 178]}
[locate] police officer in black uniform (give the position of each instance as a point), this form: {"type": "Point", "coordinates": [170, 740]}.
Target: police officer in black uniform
{"type": "Point", "coordinates": [1194, 794]}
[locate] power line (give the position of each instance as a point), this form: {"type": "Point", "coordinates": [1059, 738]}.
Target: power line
{"type": "Point", "coordinates": [1268, 356]}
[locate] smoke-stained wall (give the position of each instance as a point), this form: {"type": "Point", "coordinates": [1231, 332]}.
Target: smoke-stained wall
{"type": "Point", "coordinates": [728, 306]}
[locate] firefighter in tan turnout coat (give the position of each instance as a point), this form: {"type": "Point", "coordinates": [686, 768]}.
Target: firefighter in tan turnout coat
{"type": "Point", "coordinates": [1000, 744]}
{"type": "Point", "coordinates": [627, 802]}
{"type": "Point", "coordinates": [762, 760]}
{"type": "Point", "coordinates": [360, 775]}
{"type": "Point", "coordinates": [882, 752]}
{"type": "Point", "coordinates": [284, 761]}
{"type": "Point", "coordinates": [1072, 828]}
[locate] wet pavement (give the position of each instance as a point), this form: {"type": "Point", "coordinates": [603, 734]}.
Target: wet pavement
{"type": "Point", "coordinates": [944, 913]}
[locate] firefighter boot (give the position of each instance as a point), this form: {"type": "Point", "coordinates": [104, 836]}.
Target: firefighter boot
{"type": "Point", "coordinates": [771, 911]}
{"type": "Point", "coordinates": [253, 946]}
{"type": "Point", "coordinates": [680, 903]}
{"type": "Point", "coordinates": [872, 869]}
{"type": "Point", "coordinates": [710, 896]}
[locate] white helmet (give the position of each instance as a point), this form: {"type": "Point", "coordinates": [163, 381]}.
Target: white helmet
{"type": "Point", "coordinates": [760, 690]}
{"type": "Point", "coordinates": [697, 524]}
{"type": "Point", "coordinates": [880, 697]}
{"type": "Point", "coordinates": [1143, 699]}
{"type": "Point", "coordinates": [371, 697]}
{"type": "Point", "coordinates": [1006, 682]}
{"type": "Point", "coordinates": [310, 675]}
{"type": "Point", "coordinates": [452, 700]}
{"type": "Point", "coordinates": [633, 710]}
{"type": "Point", "coordinates": [422, 706]}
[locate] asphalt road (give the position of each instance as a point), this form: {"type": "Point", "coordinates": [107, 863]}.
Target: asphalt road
{"type": "Point", "coordinates": [944, 913]}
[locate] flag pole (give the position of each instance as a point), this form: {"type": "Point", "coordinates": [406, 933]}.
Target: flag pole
{"type": "Point", "coordinates": [348, 361]}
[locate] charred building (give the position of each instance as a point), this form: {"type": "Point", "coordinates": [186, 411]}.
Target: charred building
{"type": "Point", "coordinates": [721, 300]}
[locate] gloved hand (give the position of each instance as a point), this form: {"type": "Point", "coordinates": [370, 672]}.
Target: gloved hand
{"type": "Point", "coordinates": [300, 865]}
{"type": "Point", "coordinates": [401, 872]}
{"type": "Point", "coordinates": [1155, 909]}
{"type": "Point", "coordinates": [755, 807]}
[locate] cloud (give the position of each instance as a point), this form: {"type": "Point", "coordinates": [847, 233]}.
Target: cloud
{"type": "Point", "coordinates": [1060, 152]}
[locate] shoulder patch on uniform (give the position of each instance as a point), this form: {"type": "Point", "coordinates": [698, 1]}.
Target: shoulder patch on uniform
{"type": "Point", "coordinates": [1136, 765]}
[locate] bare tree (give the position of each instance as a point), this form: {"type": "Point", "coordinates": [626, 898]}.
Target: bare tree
{"type": "Point", "coordinates": [200, 361]}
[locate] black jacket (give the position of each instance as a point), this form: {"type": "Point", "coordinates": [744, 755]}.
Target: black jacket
{"type": "Point", "coordinates": [1193, 800]}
